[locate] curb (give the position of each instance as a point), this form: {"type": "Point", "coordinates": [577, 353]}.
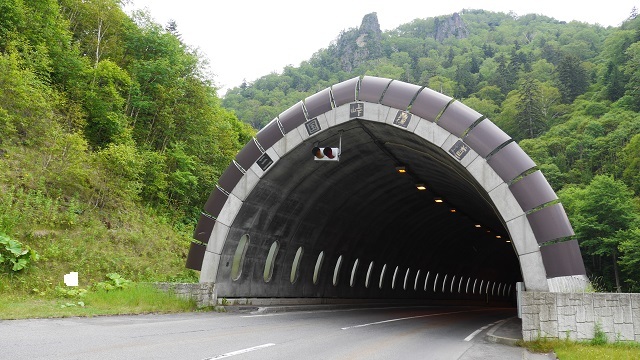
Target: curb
{"type": "Point", "coordinates": [491, 337]}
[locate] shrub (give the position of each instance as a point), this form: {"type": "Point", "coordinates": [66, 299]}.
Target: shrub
{"type": "Point", "coordinates": [115, 282]}
{"type": "Point", "coordinates": [599, 336]}
{"type": "Point", "coordinates": [15, 256]}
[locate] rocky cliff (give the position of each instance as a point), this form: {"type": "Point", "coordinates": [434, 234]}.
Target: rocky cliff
{"type": "Point", "coordinates": [451, 26]}
{"type": "Point", "coordinates": [356, 46]}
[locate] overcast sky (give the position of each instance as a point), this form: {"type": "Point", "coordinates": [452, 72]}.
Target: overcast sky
{"type": "Point", "coordinates": [251, 38]}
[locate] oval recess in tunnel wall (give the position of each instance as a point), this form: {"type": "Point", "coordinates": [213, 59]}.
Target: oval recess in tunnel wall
{"type": "Point", "coordinates": [270, 262]}
{"type": "Point", "coordinates": [382, 273]}
{"type": "Point", "coordinates": [367, 280]}
{"type": "Point", "coordinates": [354, 272]}
{"type": "Point", "coordinates": [336, 271]}
{"type": "Point", "coordinates": [295, 266]}
{"type": "Point", "coordinates": [238, 257]}
{"type": "Point", "coordinates": [318, 267]}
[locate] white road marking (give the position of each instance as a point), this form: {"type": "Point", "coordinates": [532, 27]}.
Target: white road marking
{"type": "Point", "coordinates": [473, 334]}
{"type": "Point", "coordinates": [238, 352]}
{"type": "Point", "coordinates": [407, 318]}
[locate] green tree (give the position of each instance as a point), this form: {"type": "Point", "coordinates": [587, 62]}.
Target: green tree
{"type": "Point", "coordinates": [572, 78]}
{"type": "Point", "coordinates": [630, 257]}
{"type": "Point", "coordinates": [491, 93]}
{"type": "Point", "coordinates": [631, 164]}
{"type": "Point", "coordinates": [442, 84]}
{"type": "Point", "coordinates": [530, 116]}
{"type": "Point", "coordinates": [600, 213]}
{"type": "Point", "coordinates": [614, 82]}
{"type": "Point", "coordinates": [97, 27]}
{"type": "Point", "coordinates": [386, 69]}
{"type": "Point", "coordinates": [104, 103]}
{"type": "Point", "coordinates": [632, 70]}
{"type": "Point", "coordinates": [485, 107]}
{"type": "Point", "coordinates": [27, 106]}
{"type": "Point", "coordinates": [505, 76]}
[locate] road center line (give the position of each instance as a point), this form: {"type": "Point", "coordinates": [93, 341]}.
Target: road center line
{"type": "Point", "coordinates": [238, 352]}
{"type": "Point", "coordinates": [473, 334]}
{"type": "Point", "coordinates": [407, 318]}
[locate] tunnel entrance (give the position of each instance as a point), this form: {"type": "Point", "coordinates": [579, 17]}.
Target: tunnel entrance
{"type": "Point", "coordinates": [428, 199]}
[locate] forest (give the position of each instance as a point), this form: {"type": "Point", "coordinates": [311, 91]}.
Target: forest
{"type": "Point", "coordinates": [113, 134]}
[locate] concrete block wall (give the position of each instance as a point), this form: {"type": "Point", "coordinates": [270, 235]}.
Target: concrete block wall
{"type": "Point", "coordinates": [576, 315]}
{"type": "Point", "coordinates": [202, 293]}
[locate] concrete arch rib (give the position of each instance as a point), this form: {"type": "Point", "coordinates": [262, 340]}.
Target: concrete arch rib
{"type": "Point", "coordinates": [400, 121]}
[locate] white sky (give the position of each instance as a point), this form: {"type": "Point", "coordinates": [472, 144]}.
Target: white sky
{"type": "Point", "coordinates": [252, 38]}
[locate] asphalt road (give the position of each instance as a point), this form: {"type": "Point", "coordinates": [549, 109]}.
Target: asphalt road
{"type": "Point", "coordinates": [372, 333]}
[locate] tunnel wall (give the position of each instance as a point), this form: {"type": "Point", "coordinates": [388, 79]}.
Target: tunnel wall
{"type": "Point", "coordinates": [528, 206]}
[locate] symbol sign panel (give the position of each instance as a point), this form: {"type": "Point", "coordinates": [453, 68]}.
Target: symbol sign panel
{"type": "Point", "coordinates": [459, 150]}
{"type": "Point", "coordinates": [356, 110]}
{"type": "Point", "coordinates": [313, 126]}
{"type": "Point", "coordinates": [402, 119]}
{"type": "Point", "coordinates": [264, 162]}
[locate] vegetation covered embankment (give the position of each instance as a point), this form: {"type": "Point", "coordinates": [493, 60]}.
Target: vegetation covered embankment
{"type": "Point", "coordinates": [111, 138]}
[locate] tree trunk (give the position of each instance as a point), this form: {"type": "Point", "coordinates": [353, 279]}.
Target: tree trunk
{"type": "Point", "coordinates": [99, 39]}
{"type": "Point", "coordinates": [616, 274]}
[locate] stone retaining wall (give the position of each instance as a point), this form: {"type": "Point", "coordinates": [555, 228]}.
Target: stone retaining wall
{"type": "Point", "coordinates": [202, 293]}
{"type": "Point", "coordinates": [575, 315]}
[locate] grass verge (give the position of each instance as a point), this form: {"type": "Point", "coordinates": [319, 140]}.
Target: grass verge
{"type": "Point", "coordinates": [571, 350]}
{"type": "Point", "coordinates": [136, 299]}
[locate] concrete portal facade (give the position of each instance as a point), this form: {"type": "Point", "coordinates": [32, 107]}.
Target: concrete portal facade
{"type": "Point", "coordinates": [281, 224]}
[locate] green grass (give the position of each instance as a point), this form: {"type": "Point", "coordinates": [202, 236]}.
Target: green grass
{"type": "Point", "coordinates": [137, 299]}
{"type": "Point", "coordinates": [571, 350]}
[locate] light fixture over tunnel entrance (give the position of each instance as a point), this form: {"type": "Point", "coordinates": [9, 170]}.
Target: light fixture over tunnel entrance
{"type": "Point", "coordinates": [326, 153]}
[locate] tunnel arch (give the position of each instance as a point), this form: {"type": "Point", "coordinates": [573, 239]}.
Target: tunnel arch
{"type": "Point", "coordinates": [497, 219]}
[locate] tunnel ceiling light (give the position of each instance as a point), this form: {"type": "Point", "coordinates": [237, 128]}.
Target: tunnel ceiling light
{"type": "Point", "coordinates": [401, 169]}
{"type": "Point", "coordinates": [421, 187]}
{"type": "Point", "coordinates": [438, 200]}
{"type": "Point", "coordinates": [478, 225]}
{"type": "Point", "coordinates": [498, 237]}
{"type": "Point", "coordinates": [508, 241]}
{"type": "Point", "coordinates": [452, 211]}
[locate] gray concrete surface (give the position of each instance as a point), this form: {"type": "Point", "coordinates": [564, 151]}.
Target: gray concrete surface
{"type": "Point", "coordinates": [427, 332]}
{"type": "Point", "coordinates": [499, 342]}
